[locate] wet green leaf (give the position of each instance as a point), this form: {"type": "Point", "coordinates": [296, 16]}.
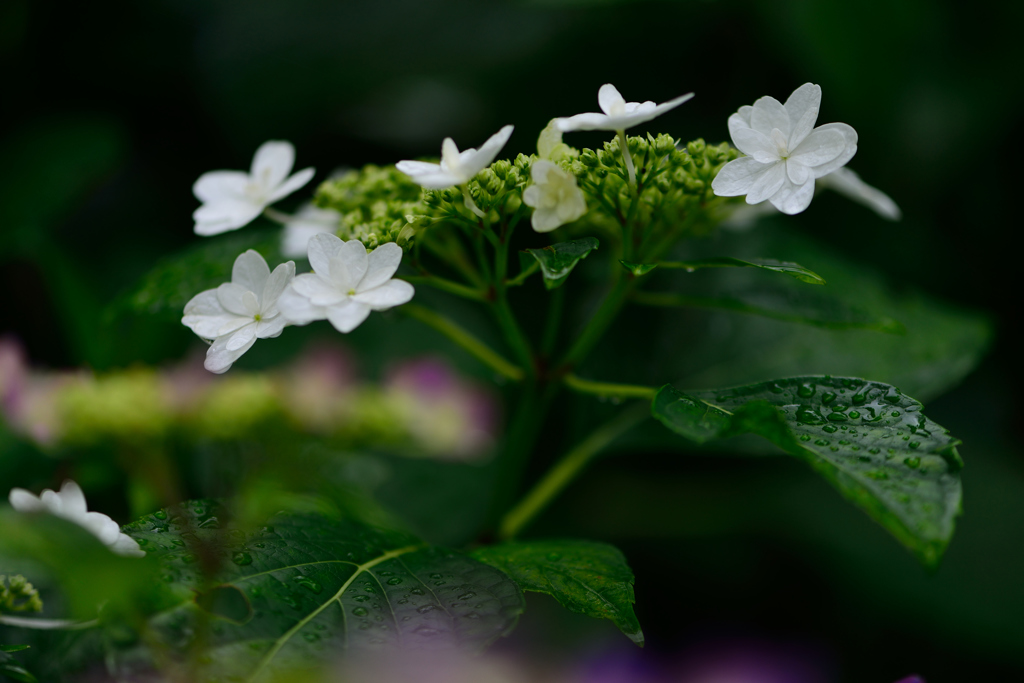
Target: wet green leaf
{"type": "Point", "coordinates": [558, 260]}
{"type": "Point", "coordinates": [170, 284]}
{"type": "Point", "coordinates": [584, 576]}
{"type": "Point", "coordinates": [10, 668]}
{"type": "Point", "coordinates": [309, 585]}
{"type": "Point", "coordinates": [870, 441]}
{"type": "Point", "coordinates": [819, 310]}
{"type": "Point", "coordinates": [638, 269]}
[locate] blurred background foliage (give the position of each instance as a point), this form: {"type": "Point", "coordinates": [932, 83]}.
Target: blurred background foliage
{"type": "Point", "coordinates": [113, 109]}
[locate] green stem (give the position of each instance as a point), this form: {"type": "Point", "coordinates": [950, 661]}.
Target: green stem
{"type": "Point", "coordinates": [447, 286]}
{"type": "Point", "coordinates": [506, 319]}
{"type": "Point", "coordinates": [608, 389]}
{"type": "Point", "coordinates": [567, 469]}
{"type": "Point", "coordinates": [523, 274]}
{"type": "Point", "coordinates": [467, 341]}
{"type": "Point", "coordinates": [554, 322]}
{"type": "Point", "coordinates": [627, 157]}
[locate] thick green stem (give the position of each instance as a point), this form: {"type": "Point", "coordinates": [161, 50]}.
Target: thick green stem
{"type": "Point", "coordinates": [467, 341]}
{"type": "Point", "coordinates": [554, 321]}
{"type": "Point", "coordinates": [506, 319]}
{"type": "Point", "coordinates": [567, 469]}
{"type": "Point", "coordinates": [608, 389]}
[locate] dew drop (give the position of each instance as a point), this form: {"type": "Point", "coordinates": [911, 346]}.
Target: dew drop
{"type": "Point", "coordinates": [914, 462]}
{"type": "Point", "coordinates": [360, 611]}
{"type": "Point", "coordinates": [854, 414]}
{"type": "Point", "coordinates": [467, 596]}
{"type": "Point", "coordinates": [425, 608]}
{"type": "Point", "coordinates": [241, 559]}
{"type": "Point", "coordinates": [805, 390]}
{"type": "Point", "coordinates": [160, 514]}
{"type": "Point", "coordinates": [394, 581]}
{"type": "Point", "coordinates": [828, 397]}
{"type": "Point", "coordinates": [805, 437]}
{"type": "Point", "coordinates": [831, 429]}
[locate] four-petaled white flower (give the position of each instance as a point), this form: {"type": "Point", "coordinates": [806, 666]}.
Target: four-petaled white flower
{"type": "Point", "coordinates": [239, 312]}
{"type": "Point", "coordinates": [308, 221]}
{"type": "Point", "coordinates": [456, 168]}
{"type": "Point", "coordinates": [69, 503]}
{"type": "Point", "coordinates": [346, 283]}
{"type": "Point", "coordinates": [618, 116]}
{"type": "Point", "coordinates": [785, 152]}
{"type": "Point", "coordinates": [232, 199]}
{"type": "Point", "coordinates": [554, 196]}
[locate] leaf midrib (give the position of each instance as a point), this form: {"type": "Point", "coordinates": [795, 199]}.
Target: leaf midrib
{"type": "Point", "coordinates": [280, 642]}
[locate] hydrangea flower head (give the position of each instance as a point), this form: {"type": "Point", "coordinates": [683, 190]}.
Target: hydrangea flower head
{"type": "Point", "coordinates": [69, 503]}
{"type": "Point", "coordinates": [785, 152]}
{"type": "Point", "coordinates": [239, 312]}
{"type": "Point", "coordinates": [456, 168]}
{"type": "Point", "coordinates": [618, 114]}
{"type": "Point", "coordinates": [232, 199]}
{"type": "Point", "coordinates": [554, 195]}
{"type": "Point", "coordinates": [346, 283]}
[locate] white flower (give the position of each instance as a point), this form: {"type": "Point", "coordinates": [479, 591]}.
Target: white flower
{"type": "Point", "coordinates": [456, 168]}
{"type": "Point", "coordinates": [554, 196]}
{"type": "Point", "coordinates": [69, 504]}
{"type": "Point", "coordinates": [346, 283]}
{"type": "Point", "coordinates": [849, 184]}
{"type": "Point", "coordinates": [308, 221]}
{"type": "Point", "coordinates": [618, 113]}
{"type": "Point", "coordinates": [232, 199]}
{"type": "Point", "coordinates": [786, 153]}
{"type": "Point", "coordinates": [239, 312]}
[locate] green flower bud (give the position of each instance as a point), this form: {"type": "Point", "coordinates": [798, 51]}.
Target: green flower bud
{"type": "Point", "coordinates": [18, 595]}
{"type": "Point", "coordinates": [588, 158]}
{"type": "Point", "coordinates": [694, 185]}
{"type": "Point", "coordinates": [664, 145]}
{"type": "Point", "coordinates": [696, 147]}
{"type": "Point", "coordinates": [501, 168]}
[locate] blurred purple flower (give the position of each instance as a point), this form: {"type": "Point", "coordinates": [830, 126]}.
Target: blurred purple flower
{"type": "Point", "coordinates": [911, 679]}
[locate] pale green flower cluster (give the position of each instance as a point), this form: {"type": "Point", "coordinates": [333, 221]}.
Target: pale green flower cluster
{"type": "Point", "coordinates": [18, 595]}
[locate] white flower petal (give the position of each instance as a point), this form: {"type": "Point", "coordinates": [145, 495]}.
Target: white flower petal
{"type": "Point", "coordinates": [820, 147]}
{"type": "Point", "coordinates": [349, 265]}
{"type": "Point", "coordinates": [214, 186]}
{"type": "Point", "coordinates": [740, 120]}
{"type": "Point", "coordinates": [292, 184]}
{"type": "Point", "coordinates": [792, 199]}
{"type": "Point", "coordinates": [850, 135]}
{"type": "Point", "coordinates": [545, 221]}
{"type": "Point", "coordinates": [383, 297]}
{"type": "Point", "coordinates": [756, 144]}
{"type": "Point", "coordinates": [242, 338]}
{"type": "Point", "coordinates": [849, 184]}
{"type": "Point", "coordinates": [298, 309]}
{"type": "Point", "coordinates": [532, 195]}
{"type": "Point", "coordinates": [127, 546]}
{"type": "Point", "coordinates": [272, 327]}
{"type": "Point", "coordinates": [250, 271]}
{"type": "Point", "coordinates": [72, 499]}
{"type": "Point", "coordinates": [219, 359]}
{"type": "Point", "coordinates": [414, 168]}
{"type": "Point", "coordinates": [806, 98]}
{"type": "Point", "coordinates": [317, 289]}
{"type": "Point", "coordinates": [798, 173]}
{"type": "Point", "coordinates": [737, 177]}
{"type": "Point", "coordinates": [225, 215]}
{"type": "Point", "coordinates": [802, 128]}
{"type": "Point", "coordinates": [232, 298]}
{"type": "Point", "coordinates": [769, 113]}
{"type": "Point", "coordinates": [322, 248]}
{"type": "Point", "coordinates": [272, 163]}
{"type": "Point", "coordinates": [52, 501]}
{"type": "Point", "coordinates": [610, 101]}
{"type": "Point", "coordinates": [768, 183]}
{"type": "Point", "coordinates": [382, 263]}
{"type": "Point", "coordinates": [100, 526]}
{"type": "Point", "coordinates": [482, 158]}
{"type": "Point", "coordinates": [347, 316]}
{"type": "Point", "coordinates": [588, 121]}
{"type": "Point", "coordinates": [276, 283]}
{"type": "Point", "coordinates": [24, 501]}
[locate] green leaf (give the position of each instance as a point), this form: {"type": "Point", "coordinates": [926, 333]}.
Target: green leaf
{"type": "Point", "coordinates": [14, 648]}
{"type": "Point", "coordinates": [558, 260]}
{"type": "Point", "coordinates": [794, 270]}
{"type": "Point", "coordinates": [872, 442]}
{"type": "Point", "coordinates": [820, 310]}
{"type": "Point", "coordinates": [206, 265]}
{"type": "Point", "coordinates": [10, 668]}
{"type": "Point", "coordinates": [310, 584]}
{"type": "Point", "coordinates": [584, 576]}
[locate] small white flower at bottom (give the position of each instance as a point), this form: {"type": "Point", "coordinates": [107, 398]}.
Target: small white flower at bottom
{"type": "Point", "coordinates": [346, 284]}
{"type": "Point", "coordinates": [69, 503]}
{"type": "Point", "coordinates": [239, 312]}
{"type": "Point", "coordinates": [554, 196]}
{"type": "Point", "coordinates": [456, 168]}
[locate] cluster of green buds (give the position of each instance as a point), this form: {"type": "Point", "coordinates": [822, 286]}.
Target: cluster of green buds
{"type": "Point", "coordinates": [378, 204]}
{"type": "Point", "coordinates": [18, 595]}
{"type": "Point", "coordinates": [672, 180]}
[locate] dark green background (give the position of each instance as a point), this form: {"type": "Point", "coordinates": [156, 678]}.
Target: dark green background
{"type": "Point", "coordinates": [111, 110]}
